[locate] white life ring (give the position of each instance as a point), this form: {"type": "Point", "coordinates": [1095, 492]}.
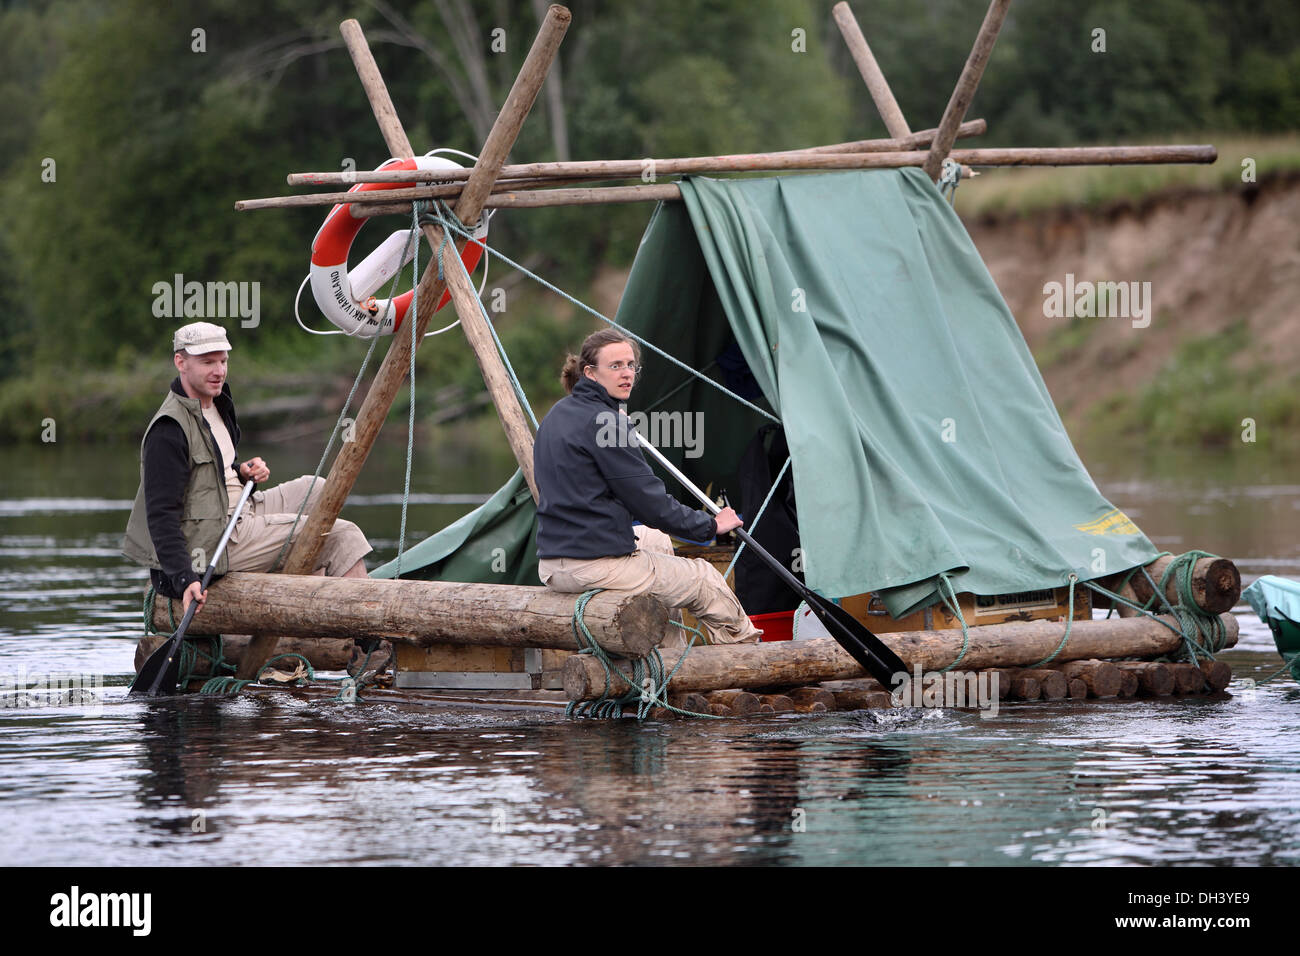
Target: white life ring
{"type": "Point", "coordinates": [349, 302]}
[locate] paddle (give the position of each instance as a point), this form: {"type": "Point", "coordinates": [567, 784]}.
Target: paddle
{"type": "Point", "coordinates": [163, 667]}
{"type": "Point", "coordinates": [863, 646]}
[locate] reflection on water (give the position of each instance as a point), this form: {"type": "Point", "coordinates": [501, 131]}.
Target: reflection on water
{"type": "Point", "coordinates": [289, 778]}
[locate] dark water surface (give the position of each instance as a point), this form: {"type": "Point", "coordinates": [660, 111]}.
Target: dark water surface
{"type": "Point", "coordinates": [295, 778]}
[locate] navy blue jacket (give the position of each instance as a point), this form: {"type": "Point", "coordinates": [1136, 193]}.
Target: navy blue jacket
{"type": "Point", "coordinates": [592, 483]}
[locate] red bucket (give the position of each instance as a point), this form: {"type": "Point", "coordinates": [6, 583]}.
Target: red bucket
{"type": "Point", "coordinates": [777, 626]}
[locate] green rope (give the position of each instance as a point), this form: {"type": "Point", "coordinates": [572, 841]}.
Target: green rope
{"type": "Point", "coordinates": [1069, 623]}
{"type": "Point", "coordinates": [761, 508]}
{"type": "Point", "coordinates": [457, 227]}
{"type": "Point", "coordinates": [644, 669]}
{"type": "Point", "coordinates": [954, 607]}
{"type": "Point", "coordinates": [949, 180]}
{"type": "Point", "coordinates": [413, 316]}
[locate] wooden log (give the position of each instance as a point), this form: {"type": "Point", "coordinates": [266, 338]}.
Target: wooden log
{"type": "Point", "coordinates": [1025, 688]}
{"type": "Point", "coordinates": [780, 703]}
{"type": "Point", "coordinates": [879, 89]}
{"type": "Point", "coordinates": [1102, 678]}
{"type": "Point", "coordinates": [1052, 684]}
{"type": "Point", "coordinates": [423, 613]}
{"type": "Point", "coordinates": [718, 710]}
{"type": "Point", "coordinates": [967, 83]}
{"type": "Point", "coordinates": [1128, 686]}
{"type": "Point", "coordinates": [1188, 678]}
{"type": "Point", "coordinates": [811, 707]}
{"type": "Point", "coordinates": [1216, 583]}
{"type": "Point", "coordinates": [466, 301]}
{"type": "Point", "coordinates": [739, 702]}
{"type": "Point", "coordinates": [799, 663]}
{"type": "Point", "coordinates": [393, 371]}
{"type": "Point", "coordinates": [695, 703]}
{"type": "Point", "coordinates": [324, 654]}
{"type": "Point", "coordinates": [804, 697]}
{"type": "Point", "coordinates": [1218, 675]}
{"type": "Point", "coordinates": [1076, 689]}
{"type": "Point", "coordinates": [863, 694]}
{"type": "Point", "coordinates": [1154, 679]}
{"type": "Point", "coordinates": [542, 174]}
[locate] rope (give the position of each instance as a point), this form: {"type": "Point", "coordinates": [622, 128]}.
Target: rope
{"type": "Point", "coordinates": [412, 315]}
{"type": "Point", "coordinates": [949, 180]}
{"type": "Point", "coordinates": [457, 227]}
{"type": "Point", "coordinates": [1069, 623]}
{"type": "Point", "coordinates": [753, 525]}
{"type": "Point", "coordinates": [645, 670]}
{"type": "Point", "coordinates": [954, 607]}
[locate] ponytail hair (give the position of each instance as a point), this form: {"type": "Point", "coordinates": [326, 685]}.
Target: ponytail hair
{"type": "Point", "coordinates": [571, 373]}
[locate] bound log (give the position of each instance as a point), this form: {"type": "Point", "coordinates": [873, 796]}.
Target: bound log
{"type": "Point", "coordinates": [1003, 683]}
{"type": "Point", "coordinates": [1102, 677]}
{"type": "Point", "coordinates": [864, 694]}
{"type": "Point", "coordinates": [1076, 689]}
{"type": "Point", "coordinates": [423, 612]}
{"type": "Point", "coordinates": [1188, 678]}
{"type": "Point", "coordinates": [695, 703]}
{"type": "Point", "coordinates": [1128, 683]}
{"type": "Point", "coordinates": [718, 710]}
{"type": "Point", "coordinates": [739, 702]}
{"type": "Point", "coordinates": [799, 663]}
{"type": "Point", "coordinates": [1052, 684]}
{"type": "Point", "coordinates": [1154, 679]}
{"type": "Point", "coordinates": [324, 654]}
{"type": "Point", "coordinates": [780, 703]}
{"type": "Point", "coordinates": [1025, 688]}
{"type": "Point", "coordinates": [1216, 584]}
{"type": "Point", "coordinates": [1217, 674]}
{"type": "Point", "coordinates": [805, 697]}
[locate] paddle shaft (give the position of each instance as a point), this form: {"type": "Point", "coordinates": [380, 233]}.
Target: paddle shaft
{"type": "Point", "coordinates": [863, 646]}
{"type": "Point", "coordinates": [174, 642]}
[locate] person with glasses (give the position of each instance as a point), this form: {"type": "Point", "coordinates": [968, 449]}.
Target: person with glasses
{"type": "Point", "coordinates": [593, 483]}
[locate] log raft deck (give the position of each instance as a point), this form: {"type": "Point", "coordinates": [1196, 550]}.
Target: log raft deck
{"type": "Point", "coordinates": [525, 634]}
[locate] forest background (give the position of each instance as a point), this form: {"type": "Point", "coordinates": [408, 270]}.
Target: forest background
{"type": "Point", "coordinates": [153, 139]}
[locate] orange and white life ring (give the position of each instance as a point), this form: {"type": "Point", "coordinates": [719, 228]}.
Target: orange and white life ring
{"type": "Point", "coordinates": [348, 300]}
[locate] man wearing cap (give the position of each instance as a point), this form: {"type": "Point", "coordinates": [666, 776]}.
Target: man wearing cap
{"type": "Point", "coordinates": [190, 482]}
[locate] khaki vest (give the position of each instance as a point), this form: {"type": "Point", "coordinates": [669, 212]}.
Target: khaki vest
{"type": "Point", "coordinates": [204, 510]}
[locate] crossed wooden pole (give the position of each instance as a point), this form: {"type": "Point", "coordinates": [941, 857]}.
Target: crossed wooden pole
{"type": "Point", "coordinates": [347, 465]}
{"type": "Point", "coordinates": [469, 206]}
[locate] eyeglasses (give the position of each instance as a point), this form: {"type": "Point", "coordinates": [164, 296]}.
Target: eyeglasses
{"type": "Point", "coordinates": [621, 366]}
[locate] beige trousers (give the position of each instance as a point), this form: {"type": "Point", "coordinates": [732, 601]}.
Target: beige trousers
{"type": "Point", "coordinates": [692, 583]}
{"type": "Point", "coordinates": [267, 519]}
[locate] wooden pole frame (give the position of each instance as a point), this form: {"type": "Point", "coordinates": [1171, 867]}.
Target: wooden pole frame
{"type": "Point", "coordinates": [350, 459]}
{"type": "Point", "coordinates": [872, 75]}
{"type": "Point", "coordinates": [967, 84]}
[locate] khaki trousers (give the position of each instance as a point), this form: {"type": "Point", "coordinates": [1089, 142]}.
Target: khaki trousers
{"type": "Point", "coordinates": [265, 523]}
{"type": "Point", "coordinates": [692, 583]}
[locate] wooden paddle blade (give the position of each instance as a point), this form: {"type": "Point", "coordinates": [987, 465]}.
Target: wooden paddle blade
{"type": "Point", "coordinates": [863, 646]}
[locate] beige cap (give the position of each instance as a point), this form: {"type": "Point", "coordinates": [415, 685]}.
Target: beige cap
{"type": "Point", "coordinates": [200, 337]}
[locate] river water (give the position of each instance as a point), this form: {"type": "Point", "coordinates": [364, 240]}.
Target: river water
{"type": "Point", "coordinates": [287, 779]}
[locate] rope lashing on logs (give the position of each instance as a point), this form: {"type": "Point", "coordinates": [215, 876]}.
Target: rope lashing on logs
{"type": "Point", "coordinates": [949, 180]}
{"type": "Point", "coordinates": [648, 686]}
{"type": "Point", "coordinates": [954, 608]}
{"type": "Point", "coordinates": [1069, 623]}
{"type": "Point", "coordinates": [1194, 624]}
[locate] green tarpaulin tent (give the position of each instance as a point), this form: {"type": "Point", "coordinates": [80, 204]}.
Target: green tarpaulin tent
{"type": "Point", "coordinates": [854, 307]}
